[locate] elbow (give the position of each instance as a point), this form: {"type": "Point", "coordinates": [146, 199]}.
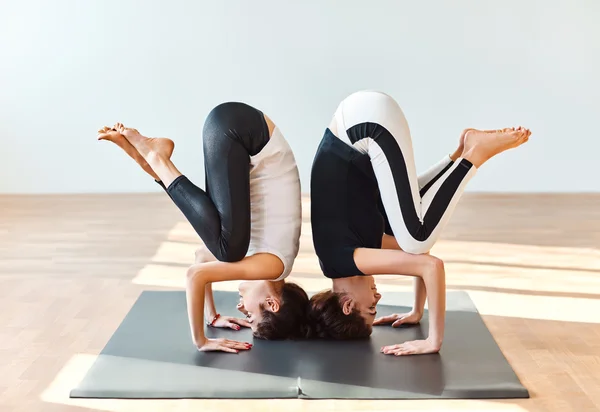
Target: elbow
{"type": "Point", "coordinates": [437, 264]}
{"type": "Point", "coordinates": [195, 274]}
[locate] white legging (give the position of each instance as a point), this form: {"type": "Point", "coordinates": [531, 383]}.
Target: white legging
{"type": "Point", "coordinates": [417, 207]}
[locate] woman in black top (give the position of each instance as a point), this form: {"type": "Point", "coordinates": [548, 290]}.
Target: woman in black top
{"type": "Point", "coordinates": [372, 214]}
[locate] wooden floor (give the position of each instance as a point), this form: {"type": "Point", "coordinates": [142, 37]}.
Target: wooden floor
{"type": "Point", "coordinates": [72, 266]}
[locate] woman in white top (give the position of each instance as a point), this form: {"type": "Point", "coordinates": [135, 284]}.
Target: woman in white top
{"type": "Point", "coordinates": [249, 217]}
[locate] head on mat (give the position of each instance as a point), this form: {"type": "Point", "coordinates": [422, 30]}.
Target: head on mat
{"type": "Point", "coordinates": [346, 311]}
{"type": "Point", "coordinates": [275, 310]}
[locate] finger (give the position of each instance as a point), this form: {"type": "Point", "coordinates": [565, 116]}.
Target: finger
{"type": "Point", "coordinates": [235, 343]}
{"type": "Point", "coordinates": [103, 136]}
{"type": "Point", "coordinates": [399, 322]}
{"type": "Point", "coordinates": [396, 346]}
{"type": "Point", "coordinates": [391, 351]}
{"type": "Point", "coordinates": [394, 352]}
{"type": "Point", "coordinates": [241, 322]}
{"type": "Point", "coordinates": [405, 349]}
{"type": "Point", "coordinates": [239, 346]}
{"type": "Point", "coordinates": [226, 349]}
{"type": "Point", "coordinates": [385, 319]}
{"type": "Point", "coordinates": [232, 325]}
{"type": "Point", "coordinates": [390, 348]}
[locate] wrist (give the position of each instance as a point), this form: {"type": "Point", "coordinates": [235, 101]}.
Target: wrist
{"type": "Point", "coordinates": [435, 341]}
{"type": "Point", "coordinates": [210, 320]}
{"type": "Point", "coordinates": [200, 341]}
{"type": "Point", "coordinates": [209, 313]}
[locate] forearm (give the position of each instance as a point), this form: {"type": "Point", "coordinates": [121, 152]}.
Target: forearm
{"type": "Point", "coordinates": [210, 311]}
{"type": "Point", "coordinates": [435, 284]}
{"type": "Point", "coordinates": [420, 295]}
{"type": "Point", "coordinates": [195, 296]}
{"type": "Point", "coordinates": [203, 255]}
{"type": "Point", "coordinates": [389, 242]}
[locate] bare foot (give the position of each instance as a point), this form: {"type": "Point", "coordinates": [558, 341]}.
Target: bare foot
{"type": "Point", "coordinates": [414, 347]}
{"type": "Point", "coordinates": [480, 146]}
{"type": "Point", "coordinates": [464, 133]}
{"type": "Point", "coordinates": [110, 134]}
{"type": "Point", "coordinates": [160, 147]}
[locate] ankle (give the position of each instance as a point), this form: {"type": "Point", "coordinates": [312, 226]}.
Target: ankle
{"type": "Point", "coordinates": [474, 156]}
{"type": "Point", "coordinates": [457, 153]}
{"type": "Point", "coordinates": [155, 159]}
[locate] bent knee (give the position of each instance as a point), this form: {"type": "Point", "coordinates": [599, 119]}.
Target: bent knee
{"type": "Point", "coordinates": [435, 265]}
{"type": "Point", "coordinates": [226, 109]}
{"type": "Point", "coordinates": [373, 97]}
{"type": "Point", "coordinates": [193, 271]}
{"type": "Point", "coordinates": [228, 116]}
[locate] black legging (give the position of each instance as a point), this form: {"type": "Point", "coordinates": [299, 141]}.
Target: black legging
{"type": "Point", "coordinates": [221, 215]}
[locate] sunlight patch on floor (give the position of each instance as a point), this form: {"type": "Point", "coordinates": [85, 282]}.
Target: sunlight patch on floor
{"type": "Point", "coordinates": [584, 259]}
{"type": "Point", "coordinates": [537, 307]}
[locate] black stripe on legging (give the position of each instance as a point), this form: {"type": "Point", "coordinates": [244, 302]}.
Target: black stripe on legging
{"type": "Point", "coordinates": [435, 179]}
{"type": "Point", "coordinates": [419, 231]}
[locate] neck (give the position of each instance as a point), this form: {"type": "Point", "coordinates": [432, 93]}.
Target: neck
{"type": "Point", "coordinates": [345, 284]}
{"type": "Point", "coordinates": [276, 285]}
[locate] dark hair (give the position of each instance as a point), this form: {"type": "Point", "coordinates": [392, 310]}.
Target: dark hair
{"type": "Point", "coordinates": [290, 321]}
{"type": "Point", "coordinates": [327, 320]}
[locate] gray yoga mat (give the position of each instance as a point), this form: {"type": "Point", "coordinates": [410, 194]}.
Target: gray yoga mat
{"type": "Point", "coordinates": [151, 356]}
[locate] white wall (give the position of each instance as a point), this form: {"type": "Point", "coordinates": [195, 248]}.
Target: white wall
{"type": "Point", "coordinates": [68, 67]}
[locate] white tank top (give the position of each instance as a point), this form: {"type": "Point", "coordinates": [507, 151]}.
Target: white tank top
{"type": "Point", "coordinates": [275, 202]}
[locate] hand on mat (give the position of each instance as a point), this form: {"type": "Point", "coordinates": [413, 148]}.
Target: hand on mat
{"type": "Point", "coordinates": [414, 347]}
{"type": "Point", "coordinates": [410, 318]}
{"type": "Point", "coordinates": [223, 345]}
{"type": "Point", "coordinates": [231, 322]}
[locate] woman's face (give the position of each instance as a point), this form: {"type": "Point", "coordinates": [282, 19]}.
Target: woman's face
{"type": "Point", "coordinates": [252, 295]}
{"type": "Point", "coordinates": [365, 297]}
